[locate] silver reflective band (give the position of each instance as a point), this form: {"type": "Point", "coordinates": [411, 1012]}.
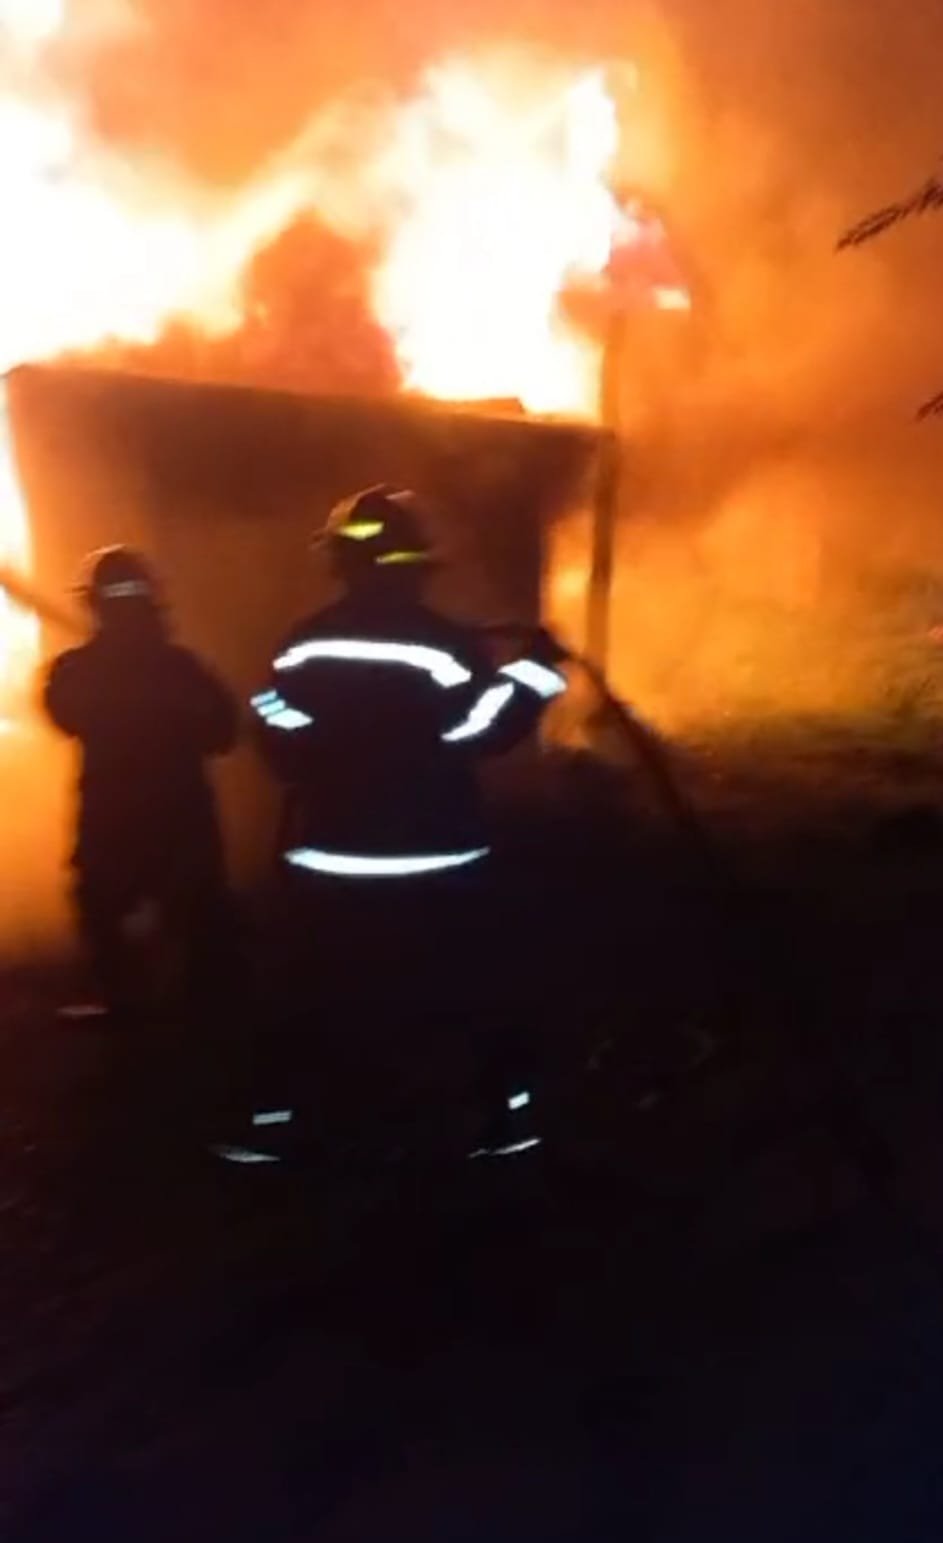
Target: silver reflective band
{"type": "Point", "coordinates": [536, 677]}
{"type": "Point", "coordinates": [509, 1151]}
{"type": "Point", "coordinates": [289, 718]}
{"type": "Point", "coordinates": [518, 1101]}
{"type": "Point", "coordinates": [277, 713]}
{"type": "Point", "coordinates": [246, 1155]}
{"type": "Point", "coordinates": [444, 668]}
{"type": "Point", "coordinates": [264, 1117]}
{"type": "Point", "coordinates": [482, 715]}
{"type": "Point", "coordinates": [380, 867]}
{"type": "Point", "coordinates": [126, 590]}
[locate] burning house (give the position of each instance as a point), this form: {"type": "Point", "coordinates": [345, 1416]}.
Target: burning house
{"type": "Point", "coordinates": [463, 242]}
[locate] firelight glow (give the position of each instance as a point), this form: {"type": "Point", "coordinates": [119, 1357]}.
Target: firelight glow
{"type": "Point", "coordinates": [504, 205]}
{"type": "Point", "coordinates": [19, 630]}
{"type": "Point", "coordinates": [27, 22]}
{"type": "Point", "coordinates": [98, 248]}
{"type": "Point", "coordinates": [485, 196]}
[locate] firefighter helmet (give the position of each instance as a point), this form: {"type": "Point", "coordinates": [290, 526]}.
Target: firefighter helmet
{"type": "Point", "coordinates": [381, 527]}
{"type": "Point", "coordinates": [116, 574]}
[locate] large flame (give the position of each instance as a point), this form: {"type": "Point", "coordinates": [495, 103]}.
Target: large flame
{"type": "Point", "coordinates": [97, 247]}
{"type": "Point", "coordinates": [485, 196]}
{"type": "Point", "coordinates": [504, 205]}
{"type": "Point", "coordinates": [25, 23]}
{"type": "Point", "coordinates": [19, 630]}
{"type": "Point", "coordinates": [489, 198]}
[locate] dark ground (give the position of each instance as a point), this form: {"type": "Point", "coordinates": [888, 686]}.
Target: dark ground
{"type": "Point", "coordinates": [711, 1307]}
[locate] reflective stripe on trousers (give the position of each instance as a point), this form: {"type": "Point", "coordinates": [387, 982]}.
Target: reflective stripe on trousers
{"type": "Point", "coordinates": [357, 865]}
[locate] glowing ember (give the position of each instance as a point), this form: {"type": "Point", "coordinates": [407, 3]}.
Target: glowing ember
{"type": "Point", "coordinates": [671, 297]}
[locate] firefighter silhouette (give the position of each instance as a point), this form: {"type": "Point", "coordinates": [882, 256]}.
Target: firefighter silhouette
{"type": "Point", "coordinates": [375, 715]}
{"type": "Point", "coordinates": [147, 715]}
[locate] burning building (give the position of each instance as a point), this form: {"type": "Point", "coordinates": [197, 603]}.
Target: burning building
{"type": "Point", "coordinates": [477, 235]}
{"type": "Point", "coordinates": [467, 239]}
{"type": "Point", "coordinates": [226, 487]}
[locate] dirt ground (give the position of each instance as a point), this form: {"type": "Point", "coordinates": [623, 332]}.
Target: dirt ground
{"type": "Point", "coordinates": [710, 1306]}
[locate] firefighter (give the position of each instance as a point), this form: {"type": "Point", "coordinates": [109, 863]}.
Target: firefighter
{"type": "Point", "coordinates": [375, 715]}
{"type": "Point", "coordinates": [148, 715]}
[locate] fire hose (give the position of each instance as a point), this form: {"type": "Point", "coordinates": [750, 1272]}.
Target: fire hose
{"type": "Point", "coordinates": [846, 1114]}
{"type": "Point", "coordinates": [20, 589]}
{"type": "Point", "coordinates": [644, 742]}
{"type": "Point", "coordinates": [650, 752]}
{"type": "Point", "coordinates": [845, 1111]}
{"type": "Point", "coordinates": [646, 745]}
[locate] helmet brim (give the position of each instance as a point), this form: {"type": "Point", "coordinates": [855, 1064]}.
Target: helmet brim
{"type": "Point", "coordinates": [334, 541]}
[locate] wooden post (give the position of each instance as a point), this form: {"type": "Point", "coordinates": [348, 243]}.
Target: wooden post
{"type": "Point", "coordinates": [606, 499]}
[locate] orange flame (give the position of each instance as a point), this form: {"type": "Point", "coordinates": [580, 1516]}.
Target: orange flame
{"type": "Point", "coordinates": [504, 203]}
{"type": "Point", "coordinates": [19, 631]}
{"type": "Point", "coordinates": [486, 196]}
{"type": "Point", "coordinates": [98, 248]}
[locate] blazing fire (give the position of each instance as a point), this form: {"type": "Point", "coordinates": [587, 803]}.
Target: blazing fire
{"type": "Point", "coordinates": [505, 204]}
{"type": "Point", "coordinates": [19, 630]}
{"type": "Point", "coordinates": [97, 248]}
{"type": "Point", "coordinates": [486, 198]}
{"type": "Point", "coordinates": [492, 205]}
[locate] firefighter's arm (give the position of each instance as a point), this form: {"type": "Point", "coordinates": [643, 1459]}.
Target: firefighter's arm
{"type": "Point", "coordinates": [63, 696]}
{"type": "Point", "coordinates": [509, 705]}
{"type": "Point", "coordinates": [211, 709]}
{"type": "Point", "coordinates": [281, 732]}
{"type": "Point", "coordinates": [285, 752]}
{"type": "Point", "coordinates": [286, 711]}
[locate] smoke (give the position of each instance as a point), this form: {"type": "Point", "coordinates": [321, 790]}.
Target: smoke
{"type": "Point", "coordinates": [224, 86]}
{"type": "Point", "coordinates": [778, 489]}
{"type": "Point", "coordinates": [785, 552]}
{"type": "Point", "coordinates": [307, 326]}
